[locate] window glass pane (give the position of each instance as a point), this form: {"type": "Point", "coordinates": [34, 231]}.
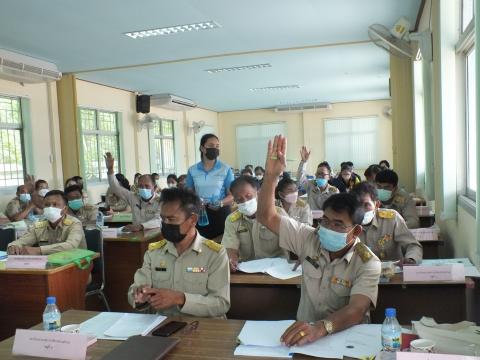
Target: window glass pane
{"type": "Point", "coordinates": [10, 111]}
{"type": "Point", "coordinates": [11, 162]}
{"type": "Point", "coordinates": [90, 155]}
{"type": "Point", "coordinates": [467, 13]}
{"type": "Point", "coordinates": [471, 123]}
{"type": "Point", "coordinates": [167, 128]}
{"type": "Point", "coordinates": [87, 118]}
{"type": "Point", "coordinates": [158, 156]}
{"type": "Point", "coordinates": [168, 156]}
{"type": "Point", "coordinates": [107, 121]}
{"type": "Point", "coordinates": [108, 144]}
{"type": "Point", "coordinates": [157, 128]}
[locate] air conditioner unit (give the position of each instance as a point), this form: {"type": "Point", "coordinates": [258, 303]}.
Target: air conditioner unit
{"type": "Point", "coordinates": [25, 69]}
{"type": "Point", "coordinates": [303, 107]}
{"type": "Point", "coordinates": [172, 102]}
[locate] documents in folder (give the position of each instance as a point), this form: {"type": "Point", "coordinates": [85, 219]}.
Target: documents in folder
{"type": "Point", "coordinates": [120, 326]}
{"type": "Point", "coordinates": [277, 267]}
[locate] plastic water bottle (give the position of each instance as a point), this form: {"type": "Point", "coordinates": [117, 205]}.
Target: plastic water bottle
{"type": "Point", "coordinates": [100, 222]}
{"type": "Point", "coordinates": [391, 331]}
{"type": "Point", "coordinates": [203, 216]}
{"type": "Point", "coordinates": [51, 315]}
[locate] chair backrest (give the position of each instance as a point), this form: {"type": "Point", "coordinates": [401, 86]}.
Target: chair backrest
{"type": "Point", "coordinates": [6, 237]}
{"type": "Point", "coordinates": [94, 241]}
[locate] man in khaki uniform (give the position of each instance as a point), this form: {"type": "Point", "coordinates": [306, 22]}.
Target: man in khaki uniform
{"type": "Point", "coordinates": [59, 232]}
{"type": "Point", "coordinates": [397, 199]}
{"type": "Point", "coordinates": [145, 204]}
{"type": "Point", "coordinates": [184, 273]}
{"type": "Point", "coordinates": [384, 230]}
{"type": "Point", "coordinates": [21, 205]}
{"type": "Point", "coordinates": [340, 274]}
{"type": "Point", "coordinates": [87, 214]}
{"type": "Point", "coordinates": [244, 237]}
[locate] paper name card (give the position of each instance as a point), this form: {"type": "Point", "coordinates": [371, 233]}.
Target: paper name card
{"type": "Point", "coordinates": [317, 214]}
{"type": "Point", "coordinates": [110, 232]}
{"type": "Point", "coordinates": [432, 356]}
{"type": "Point", "coordinates": [50, 344]}
{"type": "Point", "coordinates": [425, 234]}
{"type": "Point", "coordinates": [26, 261]}
{"type": "Point", "coordinates": [450, 272]}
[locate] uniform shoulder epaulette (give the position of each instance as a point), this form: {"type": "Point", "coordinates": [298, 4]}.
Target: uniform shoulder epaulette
{"type": "Point", "coordinates": [212, 245]}
{"type": "Point", "coordinates": [301, 203]}
{"type": "Point", "coordinates": [235, 216]}
{"type": "Point", "coordinates": [362, 250]}
{"type": "Point", "coordinates": [386, 213]}
{"type": "Point", "coordinates": [67, 221]}
{"type": "Point", "coordinates": [157, 245]}
{"type": "Point", "coordinates": [41, 224]}
{"type": "Point", "coordinates": [280, 210]}
{"type": "Point", "coordinates": [90, 207]}
{"type": "Point", "coordinates": [399, 199]}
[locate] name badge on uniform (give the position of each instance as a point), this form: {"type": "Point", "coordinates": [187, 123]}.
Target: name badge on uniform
{"type": "Point", "coordinates": [196, 269]}
{"type": "Point", "coordinates": [162, 266]}
{"type": "Point", "coordinates": [242, 230]}
{"type": "Point", "coordinates": [313, 262]}
{"type": "Point", "coordinates": [346, 283]}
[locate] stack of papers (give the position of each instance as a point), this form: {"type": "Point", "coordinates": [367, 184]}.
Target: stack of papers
{"type": "Point", "coordinates": [277, 267]}
{"type": "Point", "coordinates": [120, 326]}
{"type": "Point", "coordinates": [262, 338]}
{"type": "Point", "coordinates": [425, 234]}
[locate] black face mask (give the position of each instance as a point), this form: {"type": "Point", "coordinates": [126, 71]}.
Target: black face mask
{"type": "Point", "coordinates": [212, 153]}
{"type": "Point", "coordinates": [171, 232]}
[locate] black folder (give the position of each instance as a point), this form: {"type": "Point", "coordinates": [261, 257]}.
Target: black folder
{"type": "Point", "coordinates": [142, 347]}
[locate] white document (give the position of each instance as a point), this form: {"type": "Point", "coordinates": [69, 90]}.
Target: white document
{"type": "Point", "coordinates": [263, 333]}
{"type": "Point", "coordinates": [255, 266]}
{"type": "Point", "coordinates": [263, 351]}
{"type": "Point", "coordinates": [277, 267]}
{"type": "Point", "coordinates": [120, 326]}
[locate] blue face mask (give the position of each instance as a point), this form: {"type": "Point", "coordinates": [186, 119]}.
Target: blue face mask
{"type": "Point", "coordinates": [331, 240]}
{"type": "Point", "coordinates": [321, 182]}
{"type": "Point", "coordinates": [145, 194]}
{"type": "Point", "coordinates": [25, 198]}
{"type": "Point", "coordinates": [75, 204]}
{"type": "Point", "coordinates": [384, 195]}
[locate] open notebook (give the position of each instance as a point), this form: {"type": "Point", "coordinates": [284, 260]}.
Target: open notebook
{"type": "Point", "coordinates": [277, 267]}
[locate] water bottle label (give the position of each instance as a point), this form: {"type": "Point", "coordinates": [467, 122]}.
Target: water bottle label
{"type": "Point", "coordinates": [391, 343]}
{"type": "Point", "coordinates": [53, 325]}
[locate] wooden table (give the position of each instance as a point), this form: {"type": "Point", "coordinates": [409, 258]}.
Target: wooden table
{"type": "Point", "coordinates": [123, 256]}
{"type": "Point", "coordinates": [262, 297]}
{"type": "Point", "coordinates": [23, 294]}
{"type": "Point", "coordinates": [214, 339]}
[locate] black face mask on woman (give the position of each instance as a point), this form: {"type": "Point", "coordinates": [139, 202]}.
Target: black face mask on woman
{"type": "Point", "coordinates": [171, 232]}
{"type": "Point", "coordinates": [212, 153]}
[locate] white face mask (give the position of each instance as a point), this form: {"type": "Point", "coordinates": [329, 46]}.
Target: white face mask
{"type": "Point", "coordinates": [52, 214]}
{"type": "Point", "coordinates": [259, 177]}
{"type": "Point", "coordinates": [249, 207]}
{"type": "Point", "coordinates": [291, 198]}
{"type": "Point", "coordinates": [171, 185]}
{"type": "Point", "coordinates": [43, 192]}
{"type": "Point", "coordinates": [368, 217]}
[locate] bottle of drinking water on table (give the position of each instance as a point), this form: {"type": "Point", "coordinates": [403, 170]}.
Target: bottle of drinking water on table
{"type": "Point", "coordinates": [391, 331]}
{"type": "Point", "coordinates": [51, 315]}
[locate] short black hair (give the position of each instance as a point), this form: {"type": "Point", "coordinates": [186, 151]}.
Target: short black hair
{"type": "Point", "coordinates": [373, 169]}
{"type": "Point", "coordinates": [346, 166]}
{"type": "Point", "coordinates": [148, 176]}
{"type": "Point", "coordinates": [259, 168]}
{"type": "Point", "coordinates": [384, 162]}
{"type": "Point", "coordinates": [59, 193]}
{"type": "Point", "coordinates": [182, 177]}
{"type": "Point", "coordinates": [249, 166]}
{"type": "Point", "coordinates": [346, 202]}
{"type": "Point", "coordinates": [387, 176]}
{"type": "Point", "coordinates": [243, 180]}
{"type": "Point", "coordinates": [282, 184]}
{"type": "Point", "coordinates": [172, 176]}
{"type": "Point", "coordinates": [326, 165]}
{"type": "Point", "coordinates": [136, 175]}
{"type": "Point", "coordinates": [365, 188]}
{"type": "Point", "coordinates": [70, 189]}
{"type": "Point", "coordinates": [39, 182]}
{"type": "Point", "coordinates": [20, 186]}
{"type": "Point", "coordinates": [247, 171]}
{"type": "Point", "coordinates": [155, 174]}
{"type": "Point", "coordinates": [189, 201]}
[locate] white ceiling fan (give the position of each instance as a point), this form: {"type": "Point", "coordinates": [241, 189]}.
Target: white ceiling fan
{"type": "Point", "coordinates": [147, 121]}
{"type": "Point", "coordinates": [196, 126]}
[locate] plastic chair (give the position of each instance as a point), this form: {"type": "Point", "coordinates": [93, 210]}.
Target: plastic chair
{"type": "Point", "coordinates": [94, 240]}
{"type": "Point", "coordinates": [6, 237]}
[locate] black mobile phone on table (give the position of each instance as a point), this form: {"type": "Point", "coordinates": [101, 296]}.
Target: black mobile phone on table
{"type": "Point", "coordinates": [169, 328]}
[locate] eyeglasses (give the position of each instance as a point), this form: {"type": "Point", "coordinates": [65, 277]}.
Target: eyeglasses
{"type": "Point", "coordinates": [190, 328]}
{"type": "Point", "coordinates": [333, 225]}
{"type": "Point", "coordinates": [323, 176]}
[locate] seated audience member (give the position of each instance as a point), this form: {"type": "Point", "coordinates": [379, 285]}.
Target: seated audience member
{"type": "Point", "coordinates": [384, 230]}
{"type": "Point", "coordinates": [87, 214]}
{"type": "Point", "coordinates": [156, 178]}
{"type": "Point", "coordinates": [287, 198]}
{"type": "Point", "coordinates": [318, 190]}
{"type": "Point", "coordinates": [340, 274]}
{"type": "Point", "coordinates": [114, 202]}
{"type": "Point", "coordinates": [145, 204]}
{"type": "Point", "coordinates": [384, 164]}
{"type": "Point", "coordinates": [371, 172]}
{"type": "Point", "coordinates": [246, 172]}
{"type": "Point", "coordinates": [181, 181]}
{"type": "Point", "coordinates": [259, 172]}
{"type": "Point", "coordinates": [249, 167]}
{"type": "Point", "coordinates": [354, 174]}
{"type": "Point", "coordinates": [397, 199]}
{"type": "Point", "coordinates": [77, 180]}
{"type": "Point", "coordinates": [134, 187]}
{"type": "Point", "coordinates": [59, 232]}
{"type": "Point", "coordinates": [41, 189]}
{"type": "Point", "coordinates": [244, 237]}
{"type": "Point", "coordinates": [184, 274]}
{"type": "Point", "coordinates": [347, 176]}
{"type": "Point", "coordinates": [21, 206]}
{"type": "Point", "coordinates": [172, 181]}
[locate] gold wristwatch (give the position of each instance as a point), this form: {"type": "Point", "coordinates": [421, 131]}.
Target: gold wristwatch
{"type": "Point", "coordinates": [328, 326]}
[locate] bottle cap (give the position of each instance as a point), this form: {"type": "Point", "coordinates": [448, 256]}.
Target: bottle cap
{"type": "Point", "coordinates": [390, 312]}
{"type": "Point", "coordinates": [51, 300]}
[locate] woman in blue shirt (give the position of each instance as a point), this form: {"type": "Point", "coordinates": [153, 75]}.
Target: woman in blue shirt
{"type": "Point", "coordinates": [210, 179]}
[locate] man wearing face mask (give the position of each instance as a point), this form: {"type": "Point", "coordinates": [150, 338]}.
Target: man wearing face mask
{"type": "Point", "coordinates": [145, 204]}
{"type": "Point", "coordinates": [172, 181]}
{"type": "Point", "coordinates": [286, 194]}
{"type": "Point", "coordinates": [244, 237]}
{"type": "Point", "coordinates": [340, 274]}
{"type": "Point", "coordinates": [384, 230]}
{"type": "Point", "coordinates": [87, 214]}
{"type": "Point", "coordinates": [21, 206]}
{"type": "Point", "coordinates": [184, 274]}
{"type": "Point", "coordinates": [397, 199]}
{"type": "Point", "coordinates": [59, 232]}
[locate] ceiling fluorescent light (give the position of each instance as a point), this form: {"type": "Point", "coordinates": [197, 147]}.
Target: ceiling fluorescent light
{"type": "Point", "coordinates": [275, 88]}
{"type": "Point", "coordinates": [238, 68]}
{"type": "Point", "coordinates": [140, 34]}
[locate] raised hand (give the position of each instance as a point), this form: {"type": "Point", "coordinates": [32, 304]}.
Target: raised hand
{"type": "Point", "coordinates": [276, 162]}
{"type": "Point", "coordinates": [109, 162]}
{"type": "Point", "coordinates": [304, 153]}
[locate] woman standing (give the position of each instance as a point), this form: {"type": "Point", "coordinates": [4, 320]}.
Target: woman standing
{"type": "Point", "coordinates": [210, 179]}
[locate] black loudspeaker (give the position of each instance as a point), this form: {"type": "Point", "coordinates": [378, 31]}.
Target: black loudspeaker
{"type": "Point", "coordinates": [143, 104]}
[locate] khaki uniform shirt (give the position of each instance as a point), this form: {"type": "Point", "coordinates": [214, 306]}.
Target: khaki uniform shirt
{"type": "Point", "coordinates": [68, 234]}
{"type": "Point", "coordinates": [389, 238]}
{"type": "Point", "coordinates": [299, 211]}
{"type": "Point", "coordinates": [252, 239]}
{"type": "Point", "coordinates": [406, 206]}
{"type": "Point", "coordinates": [327, 285]}
{"type": "Point", "coordinates": [114, 202]}
{"type": "Point", "coordinates": [87, 214]}
{"type": "Point", "coordinates": [316, 197]}
{"type": "Point", "coordinates": [14, 207]}
{"type": "Point", "coordinates": [202, 273]}
{"type": "Point", "coordinates": [146, 213]}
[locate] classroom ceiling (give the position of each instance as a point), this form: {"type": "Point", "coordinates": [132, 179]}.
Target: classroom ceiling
{"type": "Point", "coordinates": [320, 46]}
